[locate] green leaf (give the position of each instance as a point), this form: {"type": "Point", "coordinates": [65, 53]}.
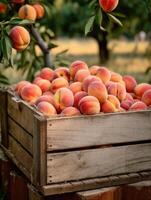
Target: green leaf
{"type": "Point", "coordinates": [52, 45]}
{"type": "Point", "coordinates": [89, 25]}
{"type": "Point", "coordinates": [1, 51]}
{"type": "Point", "coordinates": [118, 14]}
{"type": "Point", "coordinates": [4, 80]}
{"type": "Point", "coordinates": [17, 21]}
{"type": "Point", "coordinates": [114, 19]}
{"type": "Point", "coordinates": [7, 47]}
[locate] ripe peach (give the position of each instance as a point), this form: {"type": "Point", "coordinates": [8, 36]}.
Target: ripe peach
{"type": "Point", "coordinates": [130, 83]}
{"type": "Point", "coordinates": [63, 98]}
{"type": "Point", "coordinates": [48, 93]}
{"type": "Point", "coordinates": [76, 66]}
{"type": "Point", "coordinates": [20, 38]}
{"type": "Point", "coordinates": [104, 74]}
{"type": "Point", "coordinates": [89, 80]}
{"type": "Point", "coordinates": [115, 77]}
{"type": "Point", "coordinates": [138, 106]}
{"type": "Point", "coordinates": [43, 84]}
{"type": "Point", "coordinates": [81, 75]}
{"type": "Point", "coordinates": [146, 98]}
{"type": "Point", "coordinates": [108, 107]}
{"type": "Point", "coordinates": [98, 90]}
{"type": "Point", "coordinates": [46, 98]}
{"type": "Point", "coordinates": [17, 1]}
{"type": "Point", "coordinates": [89, 105]}
{"type": "Point", "coordinates": [108, 5]}
{"type": "Point", "coordinates": [47, 73]}
{"type": "Point", "coordinates": [30, 92]}
{"type": "Point", "coordinates": [27, 12]}
{"type": "Point", "coordinates": [37, 78]}
{"type": "Point", "coordinates": [75, 87]}
{"type": "Point", "coordinates": [126, 104]}
{"type": "Point", "coordinates": [20, 85]}
{"type": "Point", "coordinates": [78, 96]}
{"type": "Point", "coordinates": [114, 100]}
{"type": "Point", "coordinates": [3, 8]}
{"type": "Point", "coordinates": [141, 88]}
{"type": "Point", "coordinates": [58, 83]}
{"type": "Point", "coordinates": [70, 111]}
{"type": "Point", "coordinates": [40, 11]}
{"type": "Point", "coordinates": [63, 72]}
{"type": "Point", "coordinates": [93, 69]}
{"type": "Point", "coordinates": [117, 90]}
{"type": "Point", "coordinates": [46, 108]}
{"type": "Point", "coordinates": [129, 97]}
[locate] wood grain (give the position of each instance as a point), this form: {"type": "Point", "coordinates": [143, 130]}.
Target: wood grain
{"type": "Point", "coordinates": [93, 163]}
{"type": "Point", "coordinates": [23, 137]}
{"type": "Point", "coordinates": [86, 131]}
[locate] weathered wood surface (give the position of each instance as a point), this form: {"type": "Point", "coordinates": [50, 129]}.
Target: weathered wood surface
{"type": "Point", "coordinates": [19, 134]}
{"type": "Point", "coordinates": [93, 163]}
{"type": "Point", "coordinates": [85, 131]}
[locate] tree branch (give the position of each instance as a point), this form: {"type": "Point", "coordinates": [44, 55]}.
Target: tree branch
{"type": "Point", "coordinates": [43, 46]}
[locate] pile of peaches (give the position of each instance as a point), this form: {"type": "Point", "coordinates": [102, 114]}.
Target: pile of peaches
{"type": "Point", "coordinates": [81, 90]}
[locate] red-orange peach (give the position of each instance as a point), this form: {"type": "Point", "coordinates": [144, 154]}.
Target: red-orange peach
{"type": "Point", "coordinates": [89, 80]}
{"type": "Point", "coordinates": [126, 104]}
{"type": "Point", "coordinates": [27, 12]}
{"type": "Point", "coordinates": [20, 85]}
{"type": "Point", "coordinates": [40, 11]}
{"type": "Point", "coordinates": [75, 87]}
{"type": "Point", "coordinates": [70, 111]}
{"type": "Point", "coordinates": [108, 5]}
{"type": "Point", "coordinates": [47, 73]}
{"type": "Point", "coordinates": [98, 90]}
{"type": "Point", "coordinates": [63, 72]}
{"type": "Point", "coordinates": [63, 98]}
{"type": "Point", "coordinates": [81, 75]}
{"type": "Point", "coordinates": [30, 92]}
{"type": "Point", "coordinates": [58, 83]}
{"type": "Point", "coordinates": [17, 1]}
{"type": "Point", "coordinates": [114, 100]}
{"type": "Point", "coordinates": [93, 69]}
{"type": "Point", "coordinates": [43, 84]}
{"type": "Point", "coordinates": [141, 88]}
{"type": "Point", "coordinates": [130, 83]}
{"type": "Point", "coordinates": [146, 98]}
{"type": "Point", "coordinates": [115, 77]}
{"type": "Point", "coordinates": [89, 105]}
{"type": "Point", "coordinates": [129, 97]}
{"type": "Point", "coordinates": [20, 38]}
{"type": "Point", "coordinates": [3, 8]}
{"type": "Point", "coordinates": [76, 66]}
{"type": "Point", "coordinates": [117, 90]}
{"type": "Point", "coordinates": [46, 98]}
{"type": "Point", "coordinates": [78, 96]}
{"type": "Point", "coordinates": [46, 108]}
{"type": "Point", "coordinates": [104, 74]}
{"type": "Point", "coordinates": [48, 93]}
{"type": "Point", "coordinates": [138, 106]}
{"type": "Point", "coordinates": [108, 107]}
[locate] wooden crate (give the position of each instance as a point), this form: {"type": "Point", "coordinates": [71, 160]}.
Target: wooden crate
{"type": "Point", "coordinates": [67, 154]}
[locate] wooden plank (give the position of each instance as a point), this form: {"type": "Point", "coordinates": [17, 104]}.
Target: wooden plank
{"type": "Point", "coordinates": [23, 137]}
{"type": "Point", "coordinates": [33, 194]}
{"type": "Point", "coordinates": [3, 117]}
{"type": "Point", "coordinates": [93, 163]}
{"type": "Point", "coordinates": [40, 154]}
{"type": "Point", "coordinates": [76, 186]}
{"type": "Point", "coordinates": [85, 131]}
{"type": "Point", "coordinates": [21, 155]}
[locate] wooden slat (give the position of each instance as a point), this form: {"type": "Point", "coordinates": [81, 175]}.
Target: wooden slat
{"type": "Point", "coordinates": [92, 163]}
{"type": "Point", "coordinates": [76, 186]}
{"type": "Point", "coordinates": [23, 137]}
{"type": "Point", "coordinates": [20, 154]}
{"type": "Point", "coordinates": [85, 131]}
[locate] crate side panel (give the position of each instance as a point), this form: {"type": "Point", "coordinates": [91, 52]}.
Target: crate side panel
{"type": "Point", "coordinates": [19, 134]}
{"type": "Point", "coordinates": [66, 133]}
{"type": "Point", "coordinates": [100, 162]}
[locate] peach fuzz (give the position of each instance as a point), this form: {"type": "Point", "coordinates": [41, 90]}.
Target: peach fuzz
{"type": "Point", "coordinates": [114, 100]}
{"type": "Point", "coordinates": [63, 72]}
{"type": "Point", "coordinates": [30, 92]}
{"type": "Point", "coordinates": [141, 88]}
{"type": "Point", "coordinates": [76, 66]}
{"type": "Point", "coordinates": [81, 75]}
{"type": "Point", "coordinates": [17, 1]}
{"type": "Point", "coordinates": [27, 12]}
{"type": "Point", "coordinates": [20, 38]}
{"type": "Point", "coordinates": [126, 104]}
{"type": "Point", "coordinates": [146, 98]}
{"type": "Point", "coordinates": [138, 106]}
{"type": "Point", "coordinates": [47, 73]}
{"type": "Point", "coordinates": [46, 98]}
{"type": "Point", "coordinates": [20, 85]}
{"type": "Point", "coordinates": [89, 80]}
{"type": "Point", "coordinates": [108, 5]}
{"type": "Point", "coordinates": [78, 96]}
{"type": "Point", "coordinates": [89, 105]}
{"type": "Point", "coordinates": [108, 107]}
{"type": "Point", "coordinates": [63, 98]}
{"type": "Point", "coordinates": [70, 111]}
{"type": "Point", "coordinates": [104, 74]}
{"type": "Point", "coordinates": [93, 69]}
{"type": "Point", "coordinates": [98, 90]}
{"type": "Point", "coordinates": [58, 83]}
{"type": "Point", "coordinates": [130, 83]}
{"type": "Point", "coordinates": [43, 84]}
{"type": "Point", "coordinates": [40, 11]}
{"type": "Point", "coordinates": [115, 77]}
{"type": "Point", "coordinates": [117, 90]}
{"type": "Point", "coordinates": [46, 108]}
{"type": "Point", "coordinates": [75, 87]}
